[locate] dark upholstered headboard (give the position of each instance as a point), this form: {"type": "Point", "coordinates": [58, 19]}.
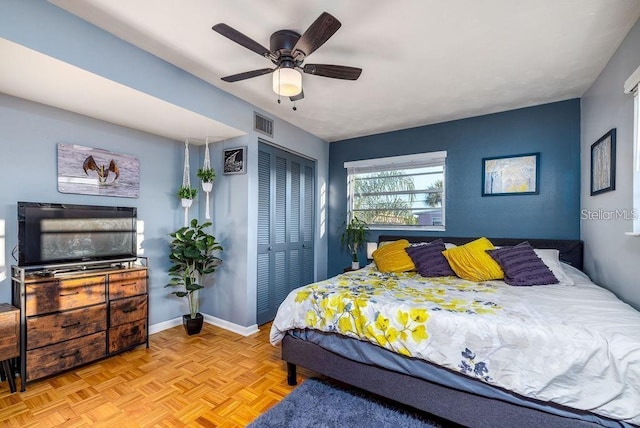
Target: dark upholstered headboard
{"type": "Point", "coordinates": [571, 251]}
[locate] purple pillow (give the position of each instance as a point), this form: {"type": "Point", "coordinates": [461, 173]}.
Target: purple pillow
{"type": "Point", "coordinates": [429, 260]}
{"type": "Point", "coordinates": [521, 265]}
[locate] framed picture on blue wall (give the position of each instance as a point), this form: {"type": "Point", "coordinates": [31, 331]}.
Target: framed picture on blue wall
{"type": "Point", "coordinates": [511, 175]}
{"type": "Point", "coordinates": [603, 163]}
{"type": "Point", "coordinates": [235, 160]}
{"type": "Point", "coordinates": [90, 171]}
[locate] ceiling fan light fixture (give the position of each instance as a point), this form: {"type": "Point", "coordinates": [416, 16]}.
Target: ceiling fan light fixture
{"type": "Point", "coordinates": [287, 82]}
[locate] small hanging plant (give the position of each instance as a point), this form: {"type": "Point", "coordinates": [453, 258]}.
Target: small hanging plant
{"type": "Point", "coordinates": [187, 192]}
{"type": "Point", "coordinates": [206, 174]}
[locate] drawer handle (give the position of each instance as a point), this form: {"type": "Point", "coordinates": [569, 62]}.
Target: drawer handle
{"type": "Point", "coordinates": [69, 294]}
{"type": "Point", "coordinates": [71, 325]}
{"type": "Point", "coordinates": [126, 311]}
{"type": "Point", "coordinates": [130, 334]}
{"type": "Point", "coordinates": [128, 284]}
{"type": "Point", "coordinates": [73, 354]}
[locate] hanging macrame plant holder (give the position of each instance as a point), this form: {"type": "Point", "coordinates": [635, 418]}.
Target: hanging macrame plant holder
{"type": "Point", "coordinates": [186, 182]}
{"type": "Point", "coordinates": [207, 186]}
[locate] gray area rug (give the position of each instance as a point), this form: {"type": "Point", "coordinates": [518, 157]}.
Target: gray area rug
{"type": "Point", "coordinates": [322, 403]}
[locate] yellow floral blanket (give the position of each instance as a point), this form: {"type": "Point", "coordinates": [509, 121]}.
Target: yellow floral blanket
{"type": "Point", "coordinates": [574, 345]}
{"type": "Point", "coordinates": [389, 310]}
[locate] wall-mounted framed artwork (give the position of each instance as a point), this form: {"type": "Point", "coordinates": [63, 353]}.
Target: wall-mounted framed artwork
{"type": "Point", "coordinates": [511, 175]}
{"type": "Point", "coordinates": [603, 164]}
{"type": "Point", "coordinates": [235, 160]}
{"type": "Point", "coordinates": [89, 171]}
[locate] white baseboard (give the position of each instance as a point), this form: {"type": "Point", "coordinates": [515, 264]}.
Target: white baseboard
{"type": "Point", "coordinates": [157, 328]}
{"type": "Point", "coordinates": [235, 328]}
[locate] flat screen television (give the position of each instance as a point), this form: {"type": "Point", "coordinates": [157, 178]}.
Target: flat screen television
{"type": "Point", "coordinates": [53, 234]}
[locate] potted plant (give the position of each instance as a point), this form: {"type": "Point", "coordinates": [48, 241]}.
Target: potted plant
{"type": "Point", "coordinates": [193, 255]}
{"type": "Point", "coordinates": [186, 194]}
{"type": "Point", "coordinates": [353, 236]}
{"type": "Point", "coordinates": [206, 175]}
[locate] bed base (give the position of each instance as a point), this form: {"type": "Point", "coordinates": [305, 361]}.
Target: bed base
{"type": "Point", "coordinates": [457, 406]}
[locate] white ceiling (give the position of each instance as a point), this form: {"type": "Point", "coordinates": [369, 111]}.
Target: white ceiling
{"type": "Point", "coordinates": [423, 61]}
{"type": "Point", "coordinates": [70, 88]}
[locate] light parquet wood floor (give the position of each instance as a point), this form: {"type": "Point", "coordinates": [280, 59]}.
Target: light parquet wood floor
{"type": "Point", "coordinates": [214, 379]}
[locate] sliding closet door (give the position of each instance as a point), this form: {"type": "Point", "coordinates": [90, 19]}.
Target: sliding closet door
{"type": "Point", "coordinates": [285, 227]}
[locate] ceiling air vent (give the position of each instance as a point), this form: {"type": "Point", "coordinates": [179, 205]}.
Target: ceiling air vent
{"type": "Point", "coordinates": [263, 124]}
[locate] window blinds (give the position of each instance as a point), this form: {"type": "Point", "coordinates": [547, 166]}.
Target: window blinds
{"type": "Point", "coordinates": [396, 162]}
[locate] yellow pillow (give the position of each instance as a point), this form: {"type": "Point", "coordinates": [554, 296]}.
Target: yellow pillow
{"type": "Point", "coordinates": [471, 261]}
{"type": "Point", "coordinates": [393, 258]}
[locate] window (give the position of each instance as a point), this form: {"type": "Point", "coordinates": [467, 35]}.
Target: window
{"type": "Point", "coordinates": [631, 87]}
{"type": "Point", "coordinates": [401, 192]}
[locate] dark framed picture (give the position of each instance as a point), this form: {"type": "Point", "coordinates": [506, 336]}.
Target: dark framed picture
{"type": "Point", "coordinates": [511, 175]}
{"type": "Point", "coordinates": [603, 163]}
{"type": "Point", "coordinates": [235, 160]}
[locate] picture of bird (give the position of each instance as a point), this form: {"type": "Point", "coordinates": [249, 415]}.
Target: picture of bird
{"type": "Point", "coordinates": [233, 161]}
{"type": "Point", "coordinates": [90, 164]}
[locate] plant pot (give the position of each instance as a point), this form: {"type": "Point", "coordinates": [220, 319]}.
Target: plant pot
{"type": "Point", "coordinates": [186, 203]}
{"type": "Point", "coordinates": [355, 265]}
{"type": "Point", "coordinates": [207, 186]}
{"type": "Point", "coordinates": [192, 325]}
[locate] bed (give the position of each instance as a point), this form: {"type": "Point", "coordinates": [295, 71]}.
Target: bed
{"type": "Point", "coordinates": [579, 365]}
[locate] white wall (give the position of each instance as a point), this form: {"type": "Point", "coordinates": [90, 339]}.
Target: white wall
{"type": "Point", "coordinates": [611, 257]}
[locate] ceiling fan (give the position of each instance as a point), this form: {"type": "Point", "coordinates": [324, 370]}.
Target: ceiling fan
{"type": "Point", "coordinates": [288, 52]}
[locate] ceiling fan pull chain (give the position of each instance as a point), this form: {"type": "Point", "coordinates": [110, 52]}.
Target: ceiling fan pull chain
{"type": "Point", "coordinates": [278, 71]}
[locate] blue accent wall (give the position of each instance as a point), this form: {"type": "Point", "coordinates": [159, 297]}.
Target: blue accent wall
{"type": "Point", "coordinates": [551, 129]}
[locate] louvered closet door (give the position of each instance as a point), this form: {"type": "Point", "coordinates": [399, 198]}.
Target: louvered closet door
{"type": "Point", "coordinates": [285, 227]}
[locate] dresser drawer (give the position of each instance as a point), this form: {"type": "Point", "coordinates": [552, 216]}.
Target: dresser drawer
{"type": "Point", "coordinates": [9, 331]}
{"type": "Point", "coordinates": [63, 294]}
{"type": "Point", "coordinates": [127, 284]}
{"type": "Point", "coordinates": [54, 328]}
{"type": "Point", "coordinates": [127, 335]}
{"type": "Point", "coordinates": [127, 310]}
{"type": "Point", "coordinates": [52, 359]}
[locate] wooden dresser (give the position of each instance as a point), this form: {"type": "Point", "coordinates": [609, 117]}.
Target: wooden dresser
{"type": "Point", "coordinates": [77, 317]}
{"type": "Point", "coordinates": [9, 340]}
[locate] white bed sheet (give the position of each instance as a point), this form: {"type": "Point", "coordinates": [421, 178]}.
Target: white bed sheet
{"type": "Point", "coordinates": [578, 345]}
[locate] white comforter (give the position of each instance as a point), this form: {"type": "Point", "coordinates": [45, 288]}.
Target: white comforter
{"type": "Point", "coordinates": [577, 346]}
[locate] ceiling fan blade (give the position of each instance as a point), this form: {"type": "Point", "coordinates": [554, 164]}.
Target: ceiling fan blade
{"type": "Point", "coordinates": [333, 71]}
{"type": "Point", "coordinates": [297, 97]}
{"type": "Point", "coordinates": [319, 32]}
{"type": "Point", "coordinates": [247, 75]}
{"type": "Point", "coordinates": [241, 39]}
